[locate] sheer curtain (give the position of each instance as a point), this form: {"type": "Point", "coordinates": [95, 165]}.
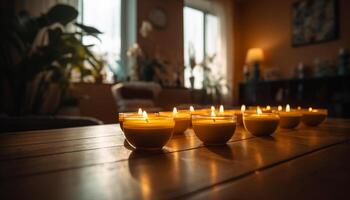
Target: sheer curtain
{"type": "Point", "coordinates": [223, 9]}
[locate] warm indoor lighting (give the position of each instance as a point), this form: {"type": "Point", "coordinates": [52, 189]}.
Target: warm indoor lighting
{"type": "Point", "coordinates": [258, 111]}
{"type": "Point", "coordinates": [174, 111]}
{"type": "Point", "coordinates": [212, 108]}
{"type": "Point", "coordinates": [287, 108]}
{"type": "Point", "coordinates": [299, 108]}
{"type": "Point", "coordinates": [254, 55]}
{"type": "Point", "coordinates": [243, 108]}
{"type": "Point", "coordinates": [310, 109]}
{"type": "Point", "coordinates": [221, 110]}
{"type": "Point", "coordinates": [268, 107]}
{"type": "Point", "coordinates": [280, 108]}
{"type": "Point", "coordinates": [140, 111]}
{"type": "Point", "coordinates": [212, 114]}
{"type": "Point", "coordinates": [144, 114]}
{"type": "Point", "coordinates": [191, 109]}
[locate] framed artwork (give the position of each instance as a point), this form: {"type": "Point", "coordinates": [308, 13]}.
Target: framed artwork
{"type": "Point", "coordinates": [314, 21]}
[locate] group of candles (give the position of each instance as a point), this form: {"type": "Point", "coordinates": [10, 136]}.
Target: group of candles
{"type": "Point", "coordinates": [213, 127]}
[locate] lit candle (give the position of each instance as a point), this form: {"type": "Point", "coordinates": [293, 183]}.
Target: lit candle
{"type": "Point", "coordinates": [239, 114]}
{"type": "Point", "coordinates": [289, 119]}
{"type": "Point", "coordinates": [279, 108]}
{"type": "Point", "coordinates": [221, 109]}
{"type": "Point", "coordinates": [260, 124]}
{"type": "Point", "coordinates": [191, 109]}
{"type": "Point", "coordinates": [148, 133]}
{"type": "Point", "coordinates": [267, 109]}
{"type": "Point", "coordinates": [314, 117]}
{"type": "Point", "coordinates": [212, 109]}
{"type": "Point", "coordinates": [182, 120]}
{"type": "Point", "coordinates": [121, 116]}
{"type": "Point", "coordinates": [212, 129]}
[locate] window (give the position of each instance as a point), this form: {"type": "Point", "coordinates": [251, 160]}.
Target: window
{"type": "Point", "coordinates": [106, 17]}
{"type": "Point", "coordinates": [201, 32]}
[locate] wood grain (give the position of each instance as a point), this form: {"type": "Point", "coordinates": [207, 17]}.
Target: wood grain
{"type": "Point", "coordinates": [94, 163]}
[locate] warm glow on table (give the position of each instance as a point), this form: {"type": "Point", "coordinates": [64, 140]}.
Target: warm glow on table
{"type": "Point", "coordinates": [314, 117]}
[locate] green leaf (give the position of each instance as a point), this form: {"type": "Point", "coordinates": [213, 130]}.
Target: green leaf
{"type": "Point", "coordinates": [88, 29]}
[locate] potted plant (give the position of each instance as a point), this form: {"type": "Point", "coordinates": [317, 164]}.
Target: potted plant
{"type": "Point", "coordinates": [38, 81]}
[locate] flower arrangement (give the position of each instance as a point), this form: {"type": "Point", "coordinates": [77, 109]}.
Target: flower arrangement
{"type": "Point", "coordinates": [149, 65]}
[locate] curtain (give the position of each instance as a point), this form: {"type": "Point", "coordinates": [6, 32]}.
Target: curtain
{"type": "Point", "coordinates": [223, 9]}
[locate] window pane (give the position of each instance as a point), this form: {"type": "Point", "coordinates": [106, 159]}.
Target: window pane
{"type": "Point", "coordinates": [212, 42]}
{"type": "Point", "coordinates": [193, 35]}
{"type": "Point", "coordinates": [105, 17]}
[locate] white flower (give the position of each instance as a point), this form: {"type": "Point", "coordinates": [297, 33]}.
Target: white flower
{"type": "Point", "coordinates": [146, 28]}
{"type": "Point", "coordinates": [134, 50]}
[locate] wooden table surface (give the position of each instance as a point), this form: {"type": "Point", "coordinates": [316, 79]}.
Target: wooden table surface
{"type": "Point", "coordinates": [94, 163]}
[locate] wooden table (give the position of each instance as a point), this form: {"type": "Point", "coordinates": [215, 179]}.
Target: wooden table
{"type": "Point", "coordinates": [94, 163]}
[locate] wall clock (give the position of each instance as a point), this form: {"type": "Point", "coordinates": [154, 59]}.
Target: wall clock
{"type": "Point", "coordinates": [158, 18]}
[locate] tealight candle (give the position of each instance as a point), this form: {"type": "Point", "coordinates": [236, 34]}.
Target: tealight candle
{"type": "Point", "coordinates": [260, 124]}
{"type": "Point", "coordinates": [279, 108]}
{"type": "Point", "coordinates": [212, 129]}
{"type": "Point", "coordinates": [289, 119]}
{"type": "Point", "coordinates": [239, 114]}
{"type": "Point", "coordinates": [267, 109]}
{"type": "Point", "coordinates": [182, 120]}
{"type": "Point", "coordinates": [121, 116]}
{"type": "Point", "coordinates": [314, 117]}
{"type": "Point", "coordinates": [148, 133]}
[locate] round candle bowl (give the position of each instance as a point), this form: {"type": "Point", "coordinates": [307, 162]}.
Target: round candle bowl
{"type": "Point", "coordinates": [182, 121]}
{"type": "Point", "coordinates": [214, 130]}
{"type": "Point", "coordinates": [314, 117]}
{"type": "Point", "coordinates": [151, 134]}
{"type": "Point", "coordinates": [260, 124]}
{"type": "Point", "coordinates": [122, 116]}
{"type": "Point", "coordinates": [289, 120]}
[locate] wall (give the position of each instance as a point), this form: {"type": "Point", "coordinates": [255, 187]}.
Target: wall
{"type": "Point", "coordinates": [267, 24]}
{"type": "Point", "coordinates": [168, 41]}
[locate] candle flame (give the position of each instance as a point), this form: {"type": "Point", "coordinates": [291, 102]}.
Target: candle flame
{"type": "Point", "coordinates": [144, 114]}
{"type": "Point", "coordinates": [243, 108]}
{"type": "Point", "coordinates": [287, 108]}
{"type": "Point", "coordinates": [212, 108]}
{"type": "Point", "coordinates": [268, 107]}
{"type": "Point", "coordinates": [174, 110]}
{"type": "Point", "coordinates": [299, 108]}
{"type": "Point", "coordinates": [212, 114]}
{"type": "Point", "coordinates": [221, 109]}
{"type": "Point", "coordinates": [310, 109]}
{"type": "Point", "coordinates": [279, 108]}
{"type": "Point", "coordinates": [139, 111]}
{"type": "Point", "coordinates": [258, 110]}
{"type": "Point", "coordinates": [191, 109]}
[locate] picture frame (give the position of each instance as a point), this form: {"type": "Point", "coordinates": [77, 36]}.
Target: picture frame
{"type": "Point", "coordinates": [314, 21]}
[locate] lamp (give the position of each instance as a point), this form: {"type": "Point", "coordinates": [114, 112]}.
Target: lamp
{"type": "Point", "coordinates": [254, 57]}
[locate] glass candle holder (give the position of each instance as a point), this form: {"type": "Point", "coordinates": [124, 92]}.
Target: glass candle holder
{"type": "Point", "coordinates": [260, 124]}
{"type": "Point", "coordinates": [289, 119]}
{"type": "Point", "coordinates": [182, 120]}
{"type": "Point", "coordinates": [148, 133]}
{"type": "Point", "coordinates": [122, 116]}
{"type": "Point", "coordinates": [314, 117]}
{"type": "Point", "coordinates": [214, 130]}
